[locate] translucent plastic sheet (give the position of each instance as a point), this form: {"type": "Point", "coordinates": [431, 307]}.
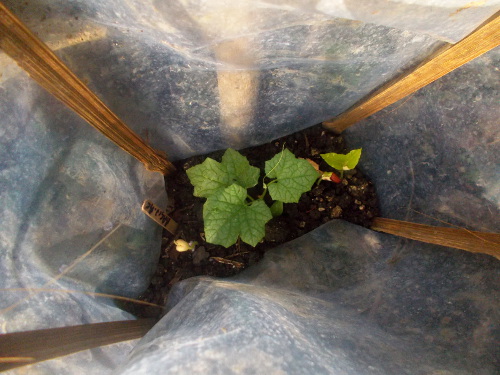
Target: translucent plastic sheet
{"type": "Point", "coordinates": [449, 20]}
{"type": "Point", "coordinates": [202, 75]}
{"type": "Point", "coordinates": [334, 301]}
{"type": "Point", "coordinates": [346, 300]}
{"type": "Point", "coordinates": [70, 205]}
{"type": "Point", "coordinates": [437, 152]}
{"type": "Point", "coordinates": [195, 76]}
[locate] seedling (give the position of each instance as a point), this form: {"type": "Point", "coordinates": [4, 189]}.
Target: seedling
{"type": "Point", "coordinates": [181, 245]}
{"type": "Point", "coordinates": [341, 162]}
{"type": "Point", "coordinates": [230, 212]}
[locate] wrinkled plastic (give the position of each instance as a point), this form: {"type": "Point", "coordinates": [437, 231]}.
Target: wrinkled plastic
{"type": "Point", "coordinates": [335, 301]}
{"type": "Point", "coordinates": [347, 300]}
{"type": "Point", "coordinates": [195, 76]}
{"type": "Point", "coordinates": [437, 152]}
{"type": "Point", "coordinates": [198, 76]}
{"type": "Point", "coordinates": [70, 204]}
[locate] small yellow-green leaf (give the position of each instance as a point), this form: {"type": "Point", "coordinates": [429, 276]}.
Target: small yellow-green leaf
{"type": "Point", "coordinates": [352, 158]}
{"type": "Point", "coordinates": [343, 162]}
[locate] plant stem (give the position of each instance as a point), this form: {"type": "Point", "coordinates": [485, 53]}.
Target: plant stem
{"type": "Point", "coordinates": [263, 194]}
{"type": "Point", "coordinates": [265, 188]}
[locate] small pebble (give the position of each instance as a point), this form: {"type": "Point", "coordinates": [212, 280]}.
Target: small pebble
{"type": "Point", "coordinates": [336, 212]}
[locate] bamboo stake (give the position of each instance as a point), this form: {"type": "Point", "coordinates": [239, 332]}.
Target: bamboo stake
{"type": "Point", "coordinates": [25, 348]}
{"type": "Point", "coordinates": [472, 241]}
{"type": "Point", "coordinates": [480, 41]}
{"type": "Point", "coordinates": [51, 73]}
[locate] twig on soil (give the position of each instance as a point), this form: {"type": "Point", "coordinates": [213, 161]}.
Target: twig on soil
{"type": "Point", "coordinates": [229, 262]}
{"type": "Point", "coordinates": [237, 254]}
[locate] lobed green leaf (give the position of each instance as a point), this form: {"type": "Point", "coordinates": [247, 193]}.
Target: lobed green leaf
{"type": "Point", "coordinates": [293, 177]}
{"type": "Point", "coordinates": [239, 169]}
{"type": "Point", "coordinates": [227, 216]}
{"type": "Point", "coordinates": [209, 177]}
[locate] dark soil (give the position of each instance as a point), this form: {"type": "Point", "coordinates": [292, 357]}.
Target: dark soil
{"type": "Point", "coordinates": [353, 200]}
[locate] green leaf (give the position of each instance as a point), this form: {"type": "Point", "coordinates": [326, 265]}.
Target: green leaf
{"type": "Point", "coordinates": [334, 160]}
{"type": "Point", "coordinates": [293, 177]}
{"type": "Point", "coordinates": [352, 158]}
{"type": "Point", "coordinates": [210, 177]}
{"type": "Point", "coordinates": [343, 162]}
{"type": "Point", "coordinates": [277, 208]}
{"type": "Point", "coordinates": [227, 216]}
{"type": "Point", "coordinates": [239, 169]}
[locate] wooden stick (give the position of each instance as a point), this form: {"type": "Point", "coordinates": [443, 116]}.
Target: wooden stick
{"type": "Point", "coordinates": [25, 348]}
{"type": "Point", "coordinates": [483, 39]}
{"type": "Point", "coordinates": [475, 242]}
{"type": "Point", "coordinates": [51, 73]}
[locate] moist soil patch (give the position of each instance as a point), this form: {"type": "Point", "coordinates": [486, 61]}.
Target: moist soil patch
{"type": "Point", "coordinates": [353, 200]}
